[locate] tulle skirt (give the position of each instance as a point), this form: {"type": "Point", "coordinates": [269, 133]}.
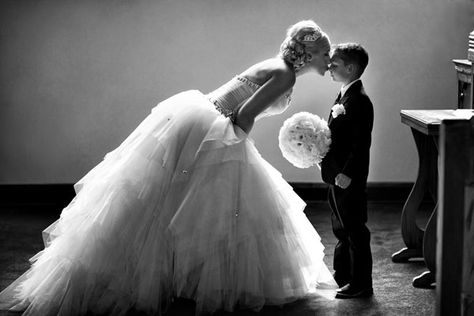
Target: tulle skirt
{"type": "Point", "coordinates": [184, 207]}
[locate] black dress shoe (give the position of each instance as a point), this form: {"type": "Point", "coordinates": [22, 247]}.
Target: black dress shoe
{"type": "Point", "coordinates": [341, 281]}
{"type": "Point", "coordinates": [349, 291]}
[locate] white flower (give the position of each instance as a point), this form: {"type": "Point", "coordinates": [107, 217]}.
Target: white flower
{"type": "Point", "coordinates": [338, 109]}
{"type": "Point", "coordinates": [304, 139]}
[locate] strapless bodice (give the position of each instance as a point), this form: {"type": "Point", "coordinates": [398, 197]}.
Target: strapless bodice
{"type": "Point", "coordinates": [229, 97]}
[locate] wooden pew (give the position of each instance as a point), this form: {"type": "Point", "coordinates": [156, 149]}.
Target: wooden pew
{"type": "Point", "coordinates": [455, 245]}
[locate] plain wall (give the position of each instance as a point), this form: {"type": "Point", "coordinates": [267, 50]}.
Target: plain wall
{"type": "Point", "coordinates": [76, 77]}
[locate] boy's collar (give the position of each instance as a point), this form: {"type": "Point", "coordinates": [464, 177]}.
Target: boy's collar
{"type": "Point", "coordinates": [347, 86]}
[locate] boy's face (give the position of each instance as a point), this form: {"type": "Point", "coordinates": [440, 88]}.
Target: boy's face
{"type": "Point", "coordinates": [339, 71]}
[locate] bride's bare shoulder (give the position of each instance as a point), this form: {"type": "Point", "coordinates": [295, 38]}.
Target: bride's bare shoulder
{"type": "Point", "coordinates": [264, 70]}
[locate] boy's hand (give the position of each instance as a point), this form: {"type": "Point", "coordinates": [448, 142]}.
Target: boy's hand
{"type": "Point", "coordinates": [342, 180]}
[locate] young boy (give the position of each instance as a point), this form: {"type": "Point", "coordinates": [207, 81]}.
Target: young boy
{"type": "Point", "coordinates": [345, 168]}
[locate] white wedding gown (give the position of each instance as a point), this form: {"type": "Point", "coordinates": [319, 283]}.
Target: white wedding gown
{"type": "Point", "coordinates": [184, 207]}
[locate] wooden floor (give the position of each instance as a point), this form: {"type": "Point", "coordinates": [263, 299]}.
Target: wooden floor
{"type": "Point", "coordinates": [20, 238]}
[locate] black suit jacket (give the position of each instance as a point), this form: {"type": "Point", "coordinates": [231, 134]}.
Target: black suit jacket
{"type": "Point", "coordinates": [351, 138]}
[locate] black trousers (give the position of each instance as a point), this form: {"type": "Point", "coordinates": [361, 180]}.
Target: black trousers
{"type": "Point", "coordinates": [352, 255]}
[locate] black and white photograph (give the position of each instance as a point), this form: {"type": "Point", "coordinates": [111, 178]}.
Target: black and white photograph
{"type": "Point", "coordinates": [236, 157]}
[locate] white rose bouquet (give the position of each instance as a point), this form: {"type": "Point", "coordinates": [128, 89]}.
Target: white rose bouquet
{"type": "Point", "coordinates": [304, 139]}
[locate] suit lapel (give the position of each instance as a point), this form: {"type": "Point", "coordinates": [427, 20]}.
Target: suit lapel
{"type": "Point", "coordinates": [338, 99]}
{"type": "Point", "coordinates": [354, 89]}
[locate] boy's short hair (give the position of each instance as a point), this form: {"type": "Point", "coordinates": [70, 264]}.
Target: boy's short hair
{"type": "Point", "coordinates": [352, 53]}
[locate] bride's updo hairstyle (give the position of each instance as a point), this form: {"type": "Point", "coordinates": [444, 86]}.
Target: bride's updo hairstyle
{"type": "Point", "coordinates": [301, 38]}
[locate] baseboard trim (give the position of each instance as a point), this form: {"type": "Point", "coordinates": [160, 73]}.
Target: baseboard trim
{"type": "Point", "coordinates": [376, 191]}
{"type": "Point", "coordinates": [48, 195]}
{"type": "Point", "coordinates": [58, 196]}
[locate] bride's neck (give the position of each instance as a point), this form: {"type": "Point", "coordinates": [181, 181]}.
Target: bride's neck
{"type": "Point", "coordinates": [302, 71]}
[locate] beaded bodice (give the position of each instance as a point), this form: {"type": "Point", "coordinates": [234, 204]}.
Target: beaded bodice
{"type": "Point", "coordinates": [230, 96]}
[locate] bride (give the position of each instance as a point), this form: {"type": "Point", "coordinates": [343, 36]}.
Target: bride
{"type": "Point", "coordinates": [186, 207]}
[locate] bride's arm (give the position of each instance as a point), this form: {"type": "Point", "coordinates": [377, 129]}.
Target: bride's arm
{"type": "Point", "coordinates": [280, 81]}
